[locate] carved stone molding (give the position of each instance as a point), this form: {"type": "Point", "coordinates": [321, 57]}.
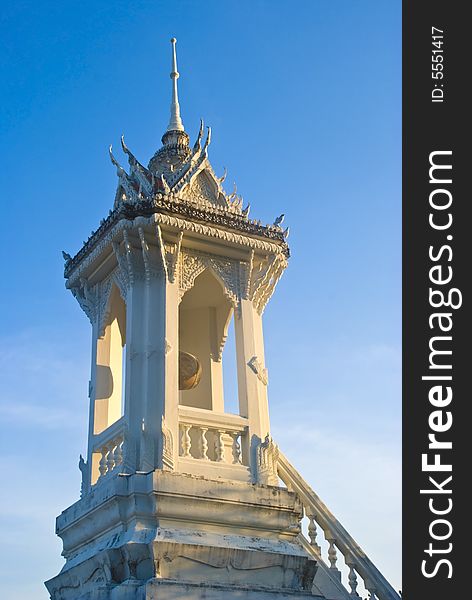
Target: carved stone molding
{"type": "Point", "coordinates": [253, 279]}
{"type": "Point", "coordinates": [104, 293]}
{"type": "Point", "coordinates": [172, 253]}
{"type": "Point", "coordinates": [123, 275]}
{"type": "Point", "coordinates": [167, 448]}
{"type": "Point", "coordinates": [153, 260]}
{"type": "Point", "coordinates": [257, 367]}
{"type": "Point", "coordinates": [262, 277]}
{"type": "Point", "coordinates": [85, 476]}
{"type": "Point", "coordinates": [94, 301]}
{"type": "Point", "coordinates": [190, 178]}
{"type": "Point", "coordinates": [228, 272]}
{"type": "Point", "coordinates": [113, 236]}
{"type": "Point", "coordinates": [141, 263]}
{"type": "Point", "coordinates": [222, 336]}
{"type": "Point", "coordinates": [193, 263]}
{"type": "Point", "coordinates": [267, 458]}
{"type": "Point", "coordinates": [190, 267]}
{"type": "Point", "coordinates": [86, 296]}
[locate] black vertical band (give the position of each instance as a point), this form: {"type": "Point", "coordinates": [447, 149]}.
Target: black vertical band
{"type": "Point", "coordinates": [437, 358]}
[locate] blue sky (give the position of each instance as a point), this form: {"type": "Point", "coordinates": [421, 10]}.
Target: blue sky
{"type": "Point", "coordinates": [304, 102]}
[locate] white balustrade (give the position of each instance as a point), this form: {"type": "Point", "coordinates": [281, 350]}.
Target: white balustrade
{"type": "Point", "coordinates": [337, 538]}
{"type": "Point", "coordinates": [111, 456]}
{"type": "Point", "coordinates": [209, 436]}
{"type": "Point", "coordinates": [207, 443]}
{"type": "Point", "coordinates": [108, 444]}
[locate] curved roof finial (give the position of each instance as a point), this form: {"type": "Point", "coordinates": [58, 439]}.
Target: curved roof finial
{"type": "Point", "coordinates": [175, 123]}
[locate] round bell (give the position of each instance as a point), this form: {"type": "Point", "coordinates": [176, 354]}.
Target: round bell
{"type": "Point", "coordinates": [190, 371]}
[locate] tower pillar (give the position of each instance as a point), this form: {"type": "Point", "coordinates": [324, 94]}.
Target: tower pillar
{"type": "Point", "coordinates": [180, 496]}
{"type": "Point", "coordinates": [252, 378]}
{"type": "Point", "coordinates": [170, 423]}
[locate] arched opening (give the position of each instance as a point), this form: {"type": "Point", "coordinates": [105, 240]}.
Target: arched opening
{"type": "Point", "coordinates": [110, 370]}
{"type": "Point", "coordinates": [205, 314]}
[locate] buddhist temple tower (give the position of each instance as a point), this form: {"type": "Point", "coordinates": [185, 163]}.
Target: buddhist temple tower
{"type": "Point", "coordinates": [181, 498]}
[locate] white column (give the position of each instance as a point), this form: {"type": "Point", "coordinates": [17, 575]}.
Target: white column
{"type": "Point", "coordinates": [171, 345]}
{"type": "Point", "coordinates": [154, 370]}
{"type": "Point", "coordinates": [92, 388]}
{"type": "Point", "coordinates": [135, 357]}
{"type": "Point", "coordinates": [252, 391]}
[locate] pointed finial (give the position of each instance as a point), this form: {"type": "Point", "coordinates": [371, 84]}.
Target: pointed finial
{"type": "Point", "coordinates": [197, 145]}
{"type": "Point", "coordinates": [223, 177]}
{"type": "Point", "coordinates": [175, 123]}
{"type": "Point", "coordinates": [279, 220]}
{"type": "Point", "coordinates": [207, 141]}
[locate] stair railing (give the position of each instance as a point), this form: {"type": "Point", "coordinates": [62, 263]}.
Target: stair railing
{"type": "Point", "coordinates": [337, 538]}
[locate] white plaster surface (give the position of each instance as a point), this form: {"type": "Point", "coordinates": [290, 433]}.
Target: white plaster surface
{"type": "Point", "coordinates": [179, 528]}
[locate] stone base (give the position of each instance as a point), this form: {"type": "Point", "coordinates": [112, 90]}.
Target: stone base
{"type": "Point", "coordinates": [162, 535]}
{"type": "Point", "coordinates": [121, 571]}
{"type": "Point", "coordinates": [162, 589]}
{"type": "Point", "coordinates": [157, 589]}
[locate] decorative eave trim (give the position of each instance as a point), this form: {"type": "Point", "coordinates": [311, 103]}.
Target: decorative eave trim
{"type": "Point", "coordinates": [74, 272]}
{"type": "Point", "coordinates": [166, 211]}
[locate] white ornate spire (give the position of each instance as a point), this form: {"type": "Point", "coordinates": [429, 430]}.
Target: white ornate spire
{"type": "Point", "coordinates": [175, 123]}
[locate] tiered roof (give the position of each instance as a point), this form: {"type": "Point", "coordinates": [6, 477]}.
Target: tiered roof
{"type": "Point", "coordinates": [179, 180]}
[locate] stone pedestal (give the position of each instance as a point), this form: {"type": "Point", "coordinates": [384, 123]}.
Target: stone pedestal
{"type": "Point", "coordinates": [165, 535]}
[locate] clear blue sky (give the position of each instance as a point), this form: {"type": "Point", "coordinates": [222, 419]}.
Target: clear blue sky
{"type": "Point", "coordinates": [304, 102]}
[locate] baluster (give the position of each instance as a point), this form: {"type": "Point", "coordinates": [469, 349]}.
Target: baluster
{"type": "Point", "coordinates": [102, 465]}
{"type": "Point", "coordinates": [313, 533]}
{"type": "Point", "coordinates": [203, 443]}
{"type": "Point", "coordinates": [332, 555]}
{"type": "Point", "coordinates": [219, 445]}
{"type": "Point", "coordinates": [352, 577]}
{"type": "Point", "coordinates": [186, 441]}
{"type": "Point", "coordinates": [118, 454]}
{"type": "Point", "coordinates": [236, 448]}
{"type": "Point", "coordinates": [110, 457]}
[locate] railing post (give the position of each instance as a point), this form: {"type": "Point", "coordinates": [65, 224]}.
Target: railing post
{"type": "Point", "coordinates": [352, 577]}
{"type": "Point", "coordinates": [236, 448]}
{"type": "Point", "coordinates": [203, 443]}
{"type": "Point", "coordinates": [313, 534]}
{"type": "Point", "coordinates": [186, 441]}
{"type": "Point", "coordinates": [219, 445]}
{"type": "Point", "coordinates": [102, 465]}
{"type": "Point", "coordinates": [332, 554]}
{"type": "Point", "coordinates": [110, 457]}
{"type": "Point", "coordinates": [118, 453]}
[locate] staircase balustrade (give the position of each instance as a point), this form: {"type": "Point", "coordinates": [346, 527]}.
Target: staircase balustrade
{"type": "Point", "coordinates": [337, 538]}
